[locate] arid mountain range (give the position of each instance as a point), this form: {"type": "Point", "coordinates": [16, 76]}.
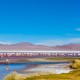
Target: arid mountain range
{"type": "Point", "coordinates": [30, 46]}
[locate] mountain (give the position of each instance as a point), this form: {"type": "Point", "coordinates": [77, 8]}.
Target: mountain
{"type": "Point", "coordinates": [23, 44]}
{"type": "Point", "coordinates": [30, 46]}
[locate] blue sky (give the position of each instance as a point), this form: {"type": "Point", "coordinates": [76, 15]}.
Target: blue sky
{"type": "Point", "coordinates": [49, 22]}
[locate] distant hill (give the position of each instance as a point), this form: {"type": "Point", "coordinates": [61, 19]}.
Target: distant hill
{"type": "Point", "coordinates": [30, 46]}
{"type": "Point", "coordinates": [23, 44]}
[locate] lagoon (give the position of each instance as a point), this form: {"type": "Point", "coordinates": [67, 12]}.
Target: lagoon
{"type": "Point", "coordinates": [33, 67]}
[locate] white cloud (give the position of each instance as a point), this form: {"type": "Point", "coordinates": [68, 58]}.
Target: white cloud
{"type": "Point", "coordinates": [71, 34]}
{"type": "Point", "coordinates": [77, 29]}
{"type": "Point", "coordinates": [6, 42]}
{"type": "Point", "coordinates": [59, 41]}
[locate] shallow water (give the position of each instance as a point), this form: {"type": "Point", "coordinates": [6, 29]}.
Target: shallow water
{"type": "Point", "coordinates": [31, 67]}
{"type": "Point", "coordinates": [50, 68]}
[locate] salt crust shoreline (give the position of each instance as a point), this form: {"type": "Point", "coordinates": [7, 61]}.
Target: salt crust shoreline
{"type": "Point", "coordinates": [49, 68]}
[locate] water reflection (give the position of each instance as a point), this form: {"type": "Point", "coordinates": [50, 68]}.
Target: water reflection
{"type": "Point", "coordinates": [7, 67]}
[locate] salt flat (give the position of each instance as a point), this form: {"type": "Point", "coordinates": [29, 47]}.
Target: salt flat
{"type": "Point", "coordinates": [50, 68]}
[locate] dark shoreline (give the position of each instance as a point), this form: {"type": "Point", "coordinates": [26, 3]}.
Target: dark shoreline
{"type": "Point", "coordinates": [29, 60]}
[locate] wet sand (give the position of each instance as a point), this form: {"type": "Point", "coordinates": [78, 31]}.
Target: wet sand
{"type": "Point", "coordinates": [49, 68]}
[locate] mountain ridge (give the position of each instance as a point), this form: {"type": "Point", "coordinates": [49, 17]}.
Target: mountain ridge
{"type": "Point", "coordinates": [31, 46]}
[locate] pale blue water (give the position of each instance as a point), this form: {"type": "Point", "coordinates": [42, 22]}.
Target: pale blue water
{"type": "Point", "coordinates": [8, 68]}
